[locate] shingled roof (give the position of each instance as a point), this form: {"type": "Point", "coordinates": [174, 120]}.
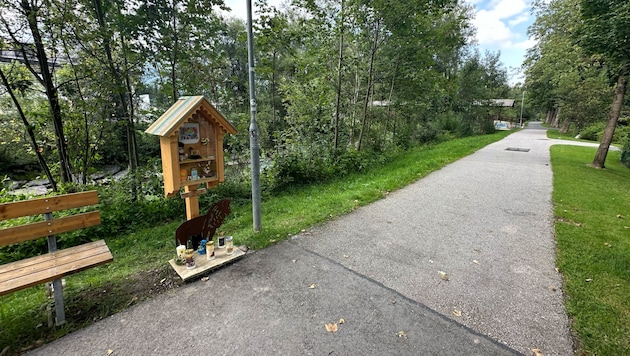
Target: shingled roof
{"type": "Point", "coordinates": [182, 111]}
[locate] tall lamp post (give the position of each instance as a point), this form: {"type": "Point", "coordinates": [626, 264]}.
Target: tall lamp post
{"type": "Point", "coordinates": [254, 146]}
{"type": "Point", "coordinates": [522, 104]}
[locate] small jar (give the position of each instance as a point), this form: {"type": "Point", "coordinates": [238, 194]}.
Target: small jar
{"type": "Point", "coordinates": [221, 241]}
{"type": "Point", "coordinates": [229, 244]}
{"type": "Point", "coordinates": [210, 250]}
{"type": "Point", "coordinates": [190, 258]}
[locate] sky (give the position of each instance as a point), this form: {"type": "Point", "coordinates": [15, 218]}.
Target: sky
{"type": "Point", "coordinates": [501, 26]}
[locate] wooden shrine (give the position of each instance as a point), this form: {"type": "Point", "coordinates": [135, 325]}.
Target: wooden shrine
{"type": "Point", "coordinates": [191, 142]}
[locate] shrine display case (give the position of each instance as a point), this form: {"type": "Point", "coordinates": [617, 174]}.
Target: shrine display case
{"type": "Point", "coordinates": [191, 142]}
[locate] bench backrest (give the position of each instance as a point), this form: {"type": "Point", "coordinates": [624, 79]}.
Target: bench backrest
{"type": "Point", "coordinates": [51, 226]}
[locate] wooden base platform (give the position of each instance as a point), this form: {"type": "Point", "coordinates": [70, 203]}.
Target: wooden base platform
{"type": "Point", "coordinates": [202, 264]}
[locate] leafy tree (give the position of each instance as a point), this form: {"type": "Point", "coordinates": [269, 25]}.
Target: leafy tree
{"type": "Point", "coordinates": [27, 25]}
{"type": "Point", "coordinates": [561, 76]}
{"type": "Point", "coordinates": [605, 31]}
{"type": "Point", "coordinates": [11, 87]}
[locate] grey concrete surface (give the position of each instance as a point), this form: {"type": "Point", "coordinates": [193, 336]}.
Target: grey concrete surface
{"type": "Point", "coordinates": [485, 220]}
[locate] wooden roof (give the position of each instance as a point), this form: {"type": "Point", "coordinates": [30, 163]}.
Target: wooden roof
{"type": "Point", "coordinates": [183, 109]}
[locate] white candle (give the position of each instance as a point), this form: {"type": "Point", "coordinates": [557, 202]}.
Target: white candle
{"type": "Point", "coordinates": [180, 252]}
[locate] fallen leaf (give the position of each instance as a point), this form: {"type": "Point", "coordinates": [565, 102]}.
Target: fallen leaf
{"type": "Point", "coordinates": [294, 261]}
{"type": "Point", "coordinates": [402, 334]}
{"type": "Point", "coordinates": [204, 279]}
{"type": "Point", "coordinates": [537, 352]}
{"type": "Point", "coordinates": [457, 312]}
{"type": "Point", "coordinates": [341, 321]}
{"type": "Point", "coordinates": [589, 279]}
{"type": "Point", "coordinates": [109, 352]}
{"type": "Point", "coordinates": [607, 244]}
{"type": "Point", "coordinates": [331, 328]}
{"type": "Point", "coordinates": [272, 240]}
{"type": "Point", "coordinates": [475, 261]}
{"type": "Point", "coordinates": [312, 286]}
{"type": "Point", "coordinates": [443, 275]}
{"type": "Point", "coordinates": [162, 280]}
{"type": "Point", "coordinates": [619, 216]}
{"type": "Point", "coordinates": [345, 256]}
{"type": "Point", "coordinates": [430, 261]}
{"type": "Point", "coordinates": [477, 250]}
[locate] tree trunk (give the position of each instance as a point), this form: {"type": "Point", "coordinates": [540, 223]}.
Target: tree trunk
{"type": "Point", "coordinates": [52, 94]}
{"type": "Point", "coordinates": [132, 146]}
{"type": "Point", "coordinates": [609, 131]}
{"type": "Point", "coordinates": [389, 99]}
{"type": "Point", "coordinates": [339, 77]}
{"type": "Point", "coordinates": [355, 101]}
{"type": "Point", "coordinates": [566, 123]}
{"type": "Point", "coordinates": [556, 115]}
{"type": "Point", "coordinates": [551, 114]}
{"type": "Point", "coordinates": [122, 92]}
{"type": "Point", "coordinates": [174, 55]}
{"type": "Point", "coordinates": [369, 84]}
{"type": "Point", "coordinates": [29, 129]}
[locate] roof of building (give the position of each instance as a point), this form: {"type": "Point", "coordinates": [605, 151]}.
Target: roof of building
{"type": "Point", "coordinates": [505, 103]}
{"type": "Point", "coordinates": [183, 109]}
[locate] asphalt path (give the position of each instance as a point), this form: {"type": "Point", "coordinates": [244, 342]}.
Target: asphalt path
{"type": "Point", "coordinates": [459, 263]}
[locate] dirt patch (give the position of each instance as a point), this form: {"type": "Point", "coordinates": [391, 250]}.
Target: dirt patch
{"type": "Point", "coordinates": [94, 304]}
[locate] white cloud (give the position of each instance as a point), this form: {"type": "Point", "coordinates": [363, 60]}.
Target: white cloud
{"type": "Point", "coordinates": [239, 8]}
{"type": "Point", "coordinates": [518, 20]}
{"type": "Point", "coordinates": [490, 29]}
{"type": "Point", "coordinates": [495, 20]}
{"type": "Point", "coordinates": [504, 9]}
{"type": "Point", "coordinates": [502, 26]}
{"type": "Point", "coordinates": [527, 44]}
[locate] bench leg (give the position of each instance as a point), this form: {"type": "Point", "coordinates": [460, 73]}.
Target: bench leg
{"type": "Point", "coordinates": [60, 314]}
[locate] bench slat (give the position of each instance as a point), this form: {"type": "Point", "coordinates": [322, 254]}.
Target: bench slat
{"type": "Point", "coordinates": [47, 205]}
{"type": "Point", "coordinates": [44, 268]}
{"type": "Point", "coordinates": [36, 230]}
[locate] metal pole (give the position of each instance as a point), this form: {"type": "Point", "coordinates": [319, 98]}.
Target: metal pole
{"type": "Point", "coordinates": [254, 146]}
{"type": "Point", "coordinates": [522, 104]}
{"type": "Point", "coordinates": [57, 284]}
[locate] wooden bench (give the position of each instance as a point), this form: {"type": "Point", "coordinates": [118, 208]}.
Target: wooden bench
{"type": "Point", "coordinates": [56, 263]}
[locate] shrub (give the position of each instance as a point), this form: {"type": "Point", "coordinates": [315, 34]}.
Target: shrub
{"type": "Point", "coordinates": [595, 131]}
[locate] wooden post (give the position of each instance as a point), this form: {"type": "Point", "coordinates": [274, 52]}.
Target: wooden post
{"type": "Point", "coordinates": [192, 202]}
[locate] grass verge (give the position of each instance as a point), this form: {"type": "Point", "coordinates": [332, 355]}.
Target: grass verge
{"type": "Point", "coordinates": [140, 267]}
{"type": "Point", "coordinates": [592, 209]}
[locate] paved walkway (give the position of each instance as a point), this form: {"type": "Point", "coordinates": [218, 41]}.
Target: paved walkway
{"type": "Point", "coordinates": [485, 220]}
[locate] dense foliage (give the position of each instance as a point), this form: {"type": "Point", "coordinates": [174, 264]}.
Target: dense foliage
{"type": "Point", "coordinates": [334, 78]}
{"type": "Point", "coordinates": [580, 66]}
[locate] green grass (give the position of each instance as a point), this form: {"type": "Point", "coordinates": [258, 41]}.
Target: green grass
{"type": "Point", "coordinates": [140, 258]}
{"type": "Point", "coordinates": [592, 208]}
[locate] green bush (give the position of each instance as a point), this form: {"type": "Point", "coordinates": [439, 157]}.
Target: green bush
{"type": "Point", "coordinates": [595, 131]}
{"type": "Point", "coordinates": [621, 135]}
{"type": "Point", "coordinates": [297, 168]}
